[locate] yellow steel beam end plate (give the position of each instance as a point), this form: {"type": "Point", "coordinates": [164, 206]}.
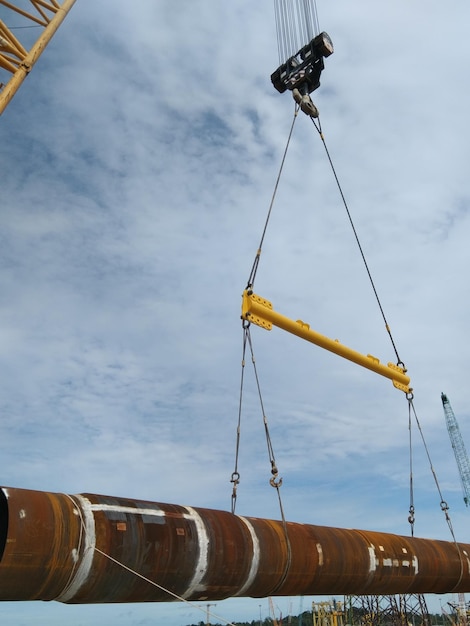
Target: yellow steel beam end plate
{"type": "Point", "coordinates": [248, 298]}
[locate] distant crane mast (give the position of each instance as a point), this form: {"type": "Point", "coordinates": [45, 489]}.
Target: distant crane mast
{"type": "Point", "coordinates": [461, 610]}
{"type": "Point", "coordinates": [273, 613]}
{"type": "Point", "coordinates": [459, 448]}
{"type": "Point", "coordinates": [17, 58]}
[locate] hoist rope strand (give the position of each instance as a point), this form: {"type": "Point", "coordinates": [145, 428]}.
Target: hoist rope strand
{"type": "Point", "coordinates": [254, 268]}
{"type": "Point", "coordinates": [387, 327]}
{"type": "Point", "coordinates": [316, 20]}
{"type": "Point", "coordinates": [301, 30]}
{"type": "Point", "coordinates": [283, 33]}
{"type": "Point", "coordinates": [296, 25]}
{"type": "Point", "coordinates": [141, 576]}
{"type": "Point", "coordinates": [278, 30]}
{"type": "Point", "coordinates": [307, 9]}
{"type": "Point", "coordinates": [293, 45]}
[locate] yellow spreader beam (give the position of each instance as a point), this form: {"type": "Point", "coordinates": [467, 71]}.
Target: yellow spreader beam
{"type": "Point", "coordinates": [259, 311]}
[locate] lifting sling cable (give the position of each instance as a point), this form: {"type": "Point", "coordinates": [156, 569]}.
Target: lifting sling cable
{"type": "Point", "coordinates": [306, 24]}
{"type": "Point", "coordinates": [443, 504]}
{"type": "Point", "coordinates": [249, 297]}
{"type": "Point", "coordinates": [235, 478]}
{"type": "Point", "coordinates": [274, 481]}
{"type": "Point", "coordinates": [301, 74]}
{"type": "Point", "coordinates": [288, 77]}
{"type": "Point", "coordinates": [254, 268]}
{"type": "Point", "coordinates": [411, 516]}
{"type": "Point", "coordinates": [356, 236]}
{"type": "Point", "coordinates": [286, 37]}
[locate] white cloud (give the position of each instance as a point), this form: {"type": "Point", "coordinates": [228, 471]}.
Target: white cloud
{"type": "Point", "coordinates": [138, 162]}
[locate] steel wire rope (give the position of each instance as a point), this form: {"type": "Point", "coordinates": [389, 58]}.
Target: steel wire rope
{"type": "Point", "coordinates": [316, 21]}
{"type": "Point", "coordinates": [278, 31]}
{"type": "Point", "coordinates": [443, 504]}
{"type": "Point", "coordinates": [274, 480]}
{"type": "Point", "coordinates": [296, 24]}
{"type": "Point", "coordinates": [287, 42]}
{"type": "Point", "coordinates": [307, 23]}
{"type": "Point", "coordinates": [356, 236]}
{"type": "Point", "coordinates": [23, 27]}
{"type": "Point", "coordinates": [247, 338]}
{"type": "Point", "coordinates": [254, 269]}
{"type": "Point", "coordinates": [291, 29]}
{"type": "Point", "coordinates": [235, 478]}
{"type": "Point", "coordinates": [272, 459]}
{"type": "Point", "coordinates": [301, 26]}
{"type": "Point", "coordinates": [411, 516]}
{"type": "Point", "coordinates": [138, 574]}
{"type": "Point", "coordinates": [162, 588]}
{"type": "Point", "coordinates": [411, 510]}
{"type": "Point", "coordinates": [283, 35]}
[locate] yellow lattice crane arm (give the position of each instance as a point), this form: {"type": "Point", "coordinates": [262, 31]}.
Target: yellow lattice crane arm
{"type": "Point", "coordinates": [259, 311]}
{"type": "Point", "coordinates": [15, 57]}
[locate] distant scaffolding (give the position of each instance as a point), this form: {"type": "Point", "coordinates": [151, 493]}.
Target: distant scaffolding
{"type": "Point", "coordinates": [397, 610]}
{"type": "Point", "coordinates": [328, 613]}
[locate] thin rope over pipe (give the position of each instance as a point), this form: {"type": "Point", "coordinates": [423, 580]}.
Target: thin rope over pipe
{"type": "Point", "coordinates": [89, 549]}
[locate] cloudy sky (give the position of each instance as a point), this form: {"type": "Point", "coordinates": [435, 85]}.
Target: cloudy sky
{"type": "Point", "coordinates": [137, 163]}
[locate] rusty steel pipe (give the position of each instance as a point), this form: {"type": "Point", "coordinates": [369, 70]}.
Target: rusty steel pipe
{"type": "Point", "coordinates": [91, 548]}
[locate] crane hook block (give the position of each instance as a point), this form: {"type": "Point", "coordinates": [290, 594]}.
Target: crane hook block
{"type": "Point", "coordinates": [260, 311]}
{"type": "Point", "coordinates": [302, 71]}
{"type": "Point", "coordinates": [305, 103]}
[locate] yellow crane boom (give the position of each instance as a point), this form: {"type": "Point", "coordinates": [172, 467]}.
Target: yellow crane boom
{"type": "Point", "coordinates": [15, 58]}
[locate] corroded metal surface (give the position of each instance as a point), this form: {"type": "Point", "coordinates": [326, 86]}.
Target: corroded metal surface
{"type": "Point", "coordinates": [91, 548]}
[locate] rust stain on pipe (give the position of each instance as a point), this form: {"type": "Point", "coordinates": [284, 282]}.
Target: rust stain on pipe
{"type": "Point", "coordinates": [51, 548]}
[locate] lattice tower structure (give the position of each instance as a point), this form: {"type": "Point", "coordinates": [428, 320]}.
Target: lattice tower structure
{"type": "Point", "coordinates": [458, 446]}
{"type": "Point", "coordinates": [461, 611]}
{"type": "Point", "coordinates": [392, 610]}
